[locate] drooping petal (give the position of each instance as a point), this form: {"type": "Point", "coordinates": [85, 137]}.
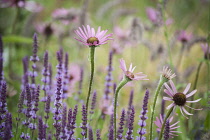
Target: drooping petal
{"type": "Point", "coordinates": [167, 98]}
{"type": "Point", "coordinates": [170, 106]}
{"type": "Point", "coordinates": [194, 101]}
{"type": "Point", "coordinates": [187, 88]}
{"type": "Point", "coordinates": [193, 108]}
{"type": "Point", "coordinates": [191, 93]}
{"type": "Point", "coordinates": [186, 111]}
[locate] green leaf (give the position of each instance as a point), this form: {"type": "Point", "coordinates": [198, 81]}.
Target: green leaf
{"type": "Point", "coordinates": [16, 39]}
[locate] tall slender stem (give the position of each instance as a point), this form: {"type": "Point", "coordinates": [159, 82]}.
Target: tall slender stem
{"type": "Point", "coordinates": [92, 57]}
{"type": "Point", "coordinates": [121, 84]}
{"type": "Point", "coordinates": [164, 122]}
{"type": "Point", "coordinates": [161, 82]}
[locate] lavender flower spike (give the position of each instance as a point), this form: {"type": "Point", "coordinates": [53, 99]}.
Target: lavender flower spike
{"type": "Point", "coordinates": [143, 117]}
{"type": "Point", "coordinates": [120, 129]}
{"type": "Point", "coordinates": [72, 121]}
{"type": "Point", "coordinates": [90, 133]}
{"type": "Point", "coordinates": [167, 130]}
{"type": "Point", "coordinates": [93, 104]}
{"type": "Point", "coordinates": [98, 135]}
{"type": "Point", "coordinates": [129, 135]}
{"type": "Point", "coordinates": [84, 121]}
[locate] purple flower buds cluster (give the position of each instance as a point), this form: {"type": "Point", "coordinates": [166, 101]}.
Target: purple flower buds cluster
{"type": "Point", "coordinates": [41, 129]}
{"type": "Point", "coordinates": [111, 128]}
{"type": "Point", "coordinates": [46, 78]}
{"type": "Point", "coordinates": [129, 134]}
{"type": "Point", "coordinates": [93, 103]}
{"type": "Point", "coordinates": [63, 125]}
{"type": "Point", "coordinates": [98, 135]}
{"type": "Point", "coordinates": [167, 130]}
{"type": "Point", "coordinates": [81, 80]}
{"type": "Point", "coordinates": [143, 117]}
{"type": "Point", "coordinates": [120, 129]}
{"type": "Point", "coordinates": [1, 61]}
{"type": "Point", "coordinates": [71, 125]}
{"type": "Point", "coordinates": [66, 76]}
{"type": "Point", "coordinates": [83, 125]}
{"type": "Point", "coordinates": [109, 78]}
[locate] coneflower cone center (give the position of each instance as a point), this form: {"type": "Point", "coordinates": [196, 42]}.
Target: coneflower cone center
{"type": "Point", "coordinates": [179, 99]}
{"type": "Point", "coordinates": [130, 74]}
{"type": "Point", "coordinates": [92, 40]}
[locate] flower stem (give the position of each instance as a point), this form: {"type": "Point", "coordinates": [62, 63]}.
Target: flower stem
{"type": "Point", "coordinates": [164, 122]}
{"type": "Point", "coordinates": [121, 84]}
{"type": "Point", "coordinates": [161, 82]}
{"type": "Point", "coordinates": [92, 56]}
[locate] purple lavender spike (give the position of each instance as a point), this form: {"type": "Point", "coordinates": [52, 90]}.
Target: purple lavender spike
{"type": "Point", "coordinates": [98, 135]}
{"type": "Point", "coordinates": [93, 103]}
{"type": "Point", "coordinates": [111, 128]}
{"type": "Point", "coordinates": [45, 77]}
{"type": "Point", "coordinates": [129, 134]}
{"type": "Point", "coordinates": [63, 125]}
{"type": "Point", "coordinates": [3, 102]}
{"type": "Point", "coordinates": [109, 78]}
{"type": "Point", "coordinates": [163, 108]}
{"type": "Point", "coordinates": [25, 72]}
{"type": "Point", "coordinates": [50, 76]}
{"type": "Point", "coordinates": [1, 61]}
{"type": "Point", "coordinates": [81, 80]}
{"type": "Point", "coordinates": [29, 99]}
{"type": "Point", "coordinates": [40, 128]}
{"type": "Point", "coordinates": [36, 101]}
{"type": "Point", "coordinates": [60, 64]}
{"type": "Point", "coordinates": [167, 130]}
{"type": "Point", "coordinates": [143, 117]}
{"type": "Point", "coordinates": [66, 76]}
{"type": "Point", "coordinates": [121, 124]}
{"type": "Point", "coordinates": [90, 133]}
{"type": "Point", "coordinates": [8, 127]}
{"type": "Point", "coordinates": [83, 125]}
{"type": "Point", "coordinates": [129, 107]}
{"type": "Point", "coordinates": [57, 110]}
{"type": "Point", "coordinates": [47, 108]}
{"type": "Point", "coordinates": [72, 121]}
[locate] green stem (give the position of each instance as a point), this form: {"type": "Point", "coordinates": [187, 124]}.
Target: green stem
{"type": "Point", "coordinates": [164, 122]}
{"type": "Point", "coordinates": [121, 84]}
{"type": "Point", "coordinates": [161, 82]}
{"type": "Point", "coordinates": [92, 56]}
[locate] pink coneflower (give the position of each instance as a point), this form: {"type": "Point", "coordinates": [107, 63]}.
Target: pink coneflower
{"type": "Point", "coordinates": [129, 73]}
{"type": "Point", "coordinates": [159, 123]}
{"type": "Point", "coordinates": [179, 98]}
{"type": "Point", "coordinates": [184, 37]}
{"type": "Point", "coordinates": [89, 37]}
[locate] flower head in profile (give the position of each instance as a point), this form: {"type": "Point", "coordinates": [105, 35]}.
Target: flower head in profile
{"type": "Point", "coordinates": [89, 37]}
{"type": "Point", "coordinates": [206, 50]}
{"type": "Point", "coordinates": [153, 15]}
{"type": "Point", "coordinates": [179, 98]}
{"type": "Point", "coordinates": [184, 37]}
{"type": "Point", "coordinates": [159, 123]}
{"type": "Point", "coordinates": [129, 72]}
{"type": "Point", "coordinates": [167, 73]}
